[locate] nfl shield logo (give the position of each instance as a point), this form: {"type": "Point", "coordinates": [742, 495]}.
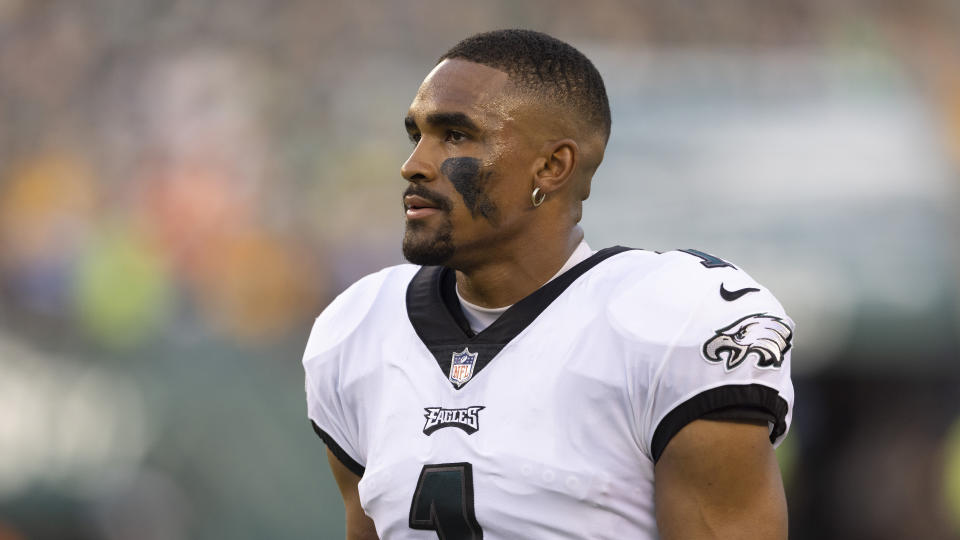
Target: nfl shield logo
{"type": "Point", "coordinates": [461, 368]}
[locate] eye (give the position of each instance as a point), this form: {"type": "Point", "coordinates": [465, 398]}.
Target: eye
{"type": "Point", "coordinates": [456, 136]}
{"type": "Point", "coordinates": [414, 137]}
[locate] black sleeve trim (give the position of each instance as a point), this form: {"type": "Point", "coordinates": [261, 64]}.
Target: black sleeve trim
{"type": "Point", "coordinates": [344, 458]}
{"type": "Point", "coordinates": [741, 414]}
{"type": "Point", "coordinates": [731, 402]}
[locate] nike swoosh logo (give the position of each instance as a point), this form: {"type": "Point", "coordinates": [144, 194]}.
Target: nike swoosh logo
{"type": "Point", "coordinates": [730, 296]}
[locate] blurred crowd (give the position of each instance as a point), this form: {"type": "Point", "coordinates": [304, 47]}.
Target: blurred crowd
{"type": "Point", "coordinates": [185, 185]}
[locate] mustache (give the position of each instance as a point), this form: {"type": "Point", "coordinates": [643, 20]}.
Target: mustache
{"type": "Point", "coordinates": [442, 202]}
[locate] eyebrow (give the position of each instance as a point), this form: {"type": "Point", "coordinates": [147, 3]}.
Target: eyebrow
{"type": "Point", "coordinates": [444, 119]}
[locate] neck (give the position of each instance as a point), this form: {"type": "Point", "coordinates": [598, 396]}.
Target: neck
{"type": "Point", "coordinates": [516, 273]}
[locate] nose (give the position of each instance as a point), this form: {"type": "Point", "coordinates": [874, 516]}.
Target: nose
{"type": "Point", "coordinates": [418, 166]}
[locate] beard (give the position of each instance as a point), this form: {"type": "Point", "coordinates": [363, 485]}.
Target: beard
{"type": "Point", "coordinates": [425, 245]}
{"type": "Point", "coordinates": [428, 248]}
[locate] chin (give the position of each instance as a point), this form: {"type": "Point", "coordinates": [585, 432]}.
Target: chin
{"type": "Point", "coordinates": [428, 248]}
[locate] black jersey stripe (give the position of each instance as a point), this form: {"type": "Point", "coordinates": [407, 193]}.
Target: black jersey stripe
{"type": "Point", "coordinates": [441, 326]}
{"type": "Point", "coordinates": [338, 451]}
{"type": "Point", "coordinates": [730, 402]}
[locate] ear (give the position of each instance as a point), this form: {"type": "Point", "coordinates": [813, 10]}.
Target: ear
{"type": "Point", "coordinates": [558, 161]}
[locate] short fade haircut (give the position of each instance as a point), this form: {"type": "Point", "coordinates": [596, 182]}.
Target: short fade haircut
{"type": "Point", "coordinates": [545, 66]}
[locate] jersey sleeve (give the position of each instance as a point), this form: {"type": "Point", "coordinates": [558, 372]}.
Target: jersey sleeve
{"type": "Point", "coordinates": [723, 349]}
{"type": "Point", "coordinates": [326, 363]}
{"type": "Point", "coordinates": [329, 418]}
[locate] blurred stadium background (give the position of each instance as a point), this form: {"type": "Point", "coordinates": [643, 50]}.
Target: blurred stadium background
{"type": "Point", "coordinates": [185, 185]}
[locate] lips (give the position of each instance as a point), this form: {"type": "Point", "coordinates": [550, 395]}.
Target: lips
{"type": "Point", "coordinates": [418, 207]}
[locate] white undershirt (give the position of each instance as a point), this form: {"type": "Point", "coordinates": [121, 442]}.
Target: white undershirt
{"type": "Point", "coordinates": [481, 317]}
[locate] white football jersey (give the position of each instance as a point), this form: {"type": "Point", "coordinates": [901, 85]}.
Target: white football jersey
{"type": "Point", "coordinates": [548, 423]}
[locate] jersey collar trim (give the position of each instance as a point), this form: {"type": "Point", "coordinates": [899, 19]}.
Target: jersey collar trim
{"type": "Point", "coordinates": [442, 330]}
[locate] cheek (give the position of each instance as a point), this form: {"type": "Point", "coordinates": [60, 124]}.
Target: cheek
{"type": "Point", "coordinates": [513, 175]}
{"type": "Point", "coordinates": [472, 182]}
{"type": "Point", "coordinates": [464, 173]}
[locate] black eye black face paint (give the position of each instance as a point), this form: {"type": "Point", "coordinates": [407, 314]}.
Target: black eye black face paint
{"type": "Point", "coordinates": [470, 180]}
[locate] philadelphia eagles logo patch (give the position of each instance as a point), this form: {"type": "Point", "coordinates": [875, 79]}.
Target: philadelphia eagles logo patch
{"type": "Point", "coordinates": [760, 337]}
{"type": "Point", "coordinates": [467, 419]}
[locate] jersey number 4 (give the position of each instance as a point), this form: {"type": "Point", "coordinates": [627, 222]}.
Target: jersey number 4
{"type": "Point", "coordinates": [443, 502]}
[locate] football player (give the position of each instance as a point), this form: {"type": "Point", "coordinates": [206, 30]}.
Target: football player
{"type": "Point", "coordinates": [514, 383]}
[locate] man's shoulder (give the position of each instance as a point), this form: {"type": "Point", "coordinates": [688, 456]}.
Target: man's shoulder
{"type": "Point", "coordinates": [659, 294]}
{"type": "Point", "coordinates": [348, 311]}
{"type": "Point", "coordinates": [678, 274]}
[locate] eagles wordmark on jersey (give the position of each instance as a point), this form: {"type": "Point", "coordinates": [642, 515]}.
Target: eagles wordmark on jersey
{"type": "Point", "coordinates": [548, 423]}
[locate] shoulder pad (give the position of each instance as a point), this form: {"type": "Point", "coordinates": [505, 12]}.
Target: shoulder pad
{"type": "Point", "coordinates": [348, 310]}
{"type": "Point", "coordinates": [658, 301]}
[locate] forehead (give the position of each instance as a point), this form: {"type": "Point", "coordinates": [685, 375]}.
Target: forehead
{"type": "Point", "coordinates": [462, 86]}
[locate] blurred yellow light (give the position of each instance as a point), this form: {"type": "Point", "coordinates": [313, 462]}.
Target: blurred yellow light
{"type": "Point", "coordinates": [44, 204]}
{"type": "Point", "coordinates": [254, 285]}
{"type": "Point", "coordinates": [123, 293]}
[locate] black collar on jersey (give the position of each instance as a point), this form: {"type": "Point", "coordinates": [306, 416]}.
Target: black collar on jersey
{"type": "Point", "coordinates": [444, 330]}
